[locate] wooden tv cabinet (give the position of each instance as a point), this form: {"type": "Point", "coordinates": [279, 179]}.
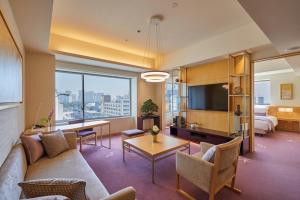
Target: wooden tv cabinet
{"type": "Point", "coordinates": [200, 135]}
{"type": "Point", "coordinates": [206, 135]}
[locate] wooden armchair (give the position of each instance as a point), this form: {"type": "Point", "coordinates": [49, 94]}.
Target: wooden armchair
{"type": "Point", "coordinates": [210, 176]}
{"type": "Point", "coordinates": [84, 133]}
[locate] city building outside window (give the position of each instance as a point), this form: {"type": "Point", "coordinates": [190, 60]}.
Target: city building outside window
{"type": "Point", "coordinates": [88, 96]}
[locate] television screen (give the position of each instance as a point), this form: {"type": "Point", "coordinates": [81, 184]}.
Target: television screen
{"type": "Point", "coordinates": [208, 97]}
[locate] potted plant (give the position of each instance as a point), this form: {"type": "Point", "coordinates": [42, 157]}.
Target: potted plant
{"type": "Point", "coordinates": [154, 132]}
{"type": "Point", "coordinates": [149, 107]}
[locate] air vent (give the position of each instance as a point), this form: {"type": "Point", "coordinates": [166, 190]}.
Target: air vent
{"type": "Point", "coordinates": [293, 48]}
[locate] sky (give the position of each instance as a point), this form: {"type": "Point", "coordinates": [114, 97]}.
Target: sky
{"type": "Point", "coordinates": [108, 85]}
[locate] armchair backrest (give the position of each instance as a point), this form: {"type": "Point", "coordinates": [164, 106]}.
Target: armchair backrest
{"type": "Point", "coordinates": [227, 154]}
{"type": "Point", "coordinates": [225, 163]}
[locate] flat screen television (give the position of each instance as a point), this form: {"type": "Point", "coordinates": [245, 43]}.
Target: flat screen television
{"type": "Point", "coordinates": [208, 97]}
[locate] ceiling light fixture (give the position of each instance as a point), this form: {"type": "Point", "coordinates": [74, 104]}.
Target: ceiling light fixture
{"type": "Point", "coordinates": [155, 76]}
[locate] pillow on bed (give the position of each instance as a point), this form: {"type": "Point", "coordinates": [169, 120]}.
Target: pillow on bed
{"type": "Point", "coordinates": [260, 114]}
{"type": "Point", "coordinates": [260, 110]}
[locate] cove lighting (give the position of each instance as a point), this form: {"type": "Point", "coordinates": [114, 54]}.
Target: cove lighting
{"type": "Point", "coordinates": [285, 109]}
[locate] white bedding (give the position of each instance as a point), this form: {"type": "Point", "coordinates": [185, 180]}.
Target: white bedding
{"type": "Point", "coordinates": [273, 119]}
{"type": "Point", "coordinates": [265, 124]}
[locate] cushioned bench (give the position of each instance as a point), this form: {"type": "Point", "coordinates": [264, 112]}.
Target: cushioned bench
{"type": "Point", "coordinates": [132, 133]}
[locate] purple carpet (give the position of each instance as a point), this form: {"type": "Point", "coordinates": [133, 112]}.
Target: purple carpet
{"type": "Point", "coordinates": [271, 173]}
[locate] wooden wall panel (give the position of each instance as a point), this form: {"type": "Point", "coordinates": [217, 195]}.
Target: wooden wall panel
{"type": "Point", "coordinates": [210, 73]}
{"type": "Point", "coordinates": [209, 119]}
{"type": "Point", "coordinates": [216, 72]}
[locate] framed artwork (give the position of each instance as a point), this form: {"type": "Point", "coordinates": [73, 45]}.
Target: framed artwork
{"type": "Point", "coordinates": [286, 91]}
{"type": "Point", "coordinates": [11, 68]}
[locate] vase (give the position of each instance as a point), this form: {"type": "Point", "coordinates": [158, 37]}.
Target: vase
{"type": "Point", "coordinates": [238, 111]}
{"type": "Point", "coordinates": [154, 138]}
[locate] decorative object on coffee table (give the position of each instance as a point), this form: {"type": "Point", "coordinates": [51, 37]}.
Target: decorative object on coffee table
{"type": "Point", "coordinates": [154, 132]}
{"type": "Point", "coordinates": [149, 107]}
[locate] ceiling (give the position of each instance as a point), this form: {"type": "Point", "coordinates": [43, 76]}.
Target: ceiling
{"type": "Point", "coordinates": [271, 66]}
{"type": "Point", "coordinates": [193, 31]}
{"type": "Point", "coordinates": [278, 19]}
{"type": "Point", "coordinates": [33, 18]}
{"type": "Point", "coordinates": [114, 23]}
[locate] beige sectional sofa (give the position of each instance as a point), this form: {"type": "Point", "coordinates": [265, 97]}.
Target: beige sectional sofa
{"type": "Point", "coordinates": [69, 164]}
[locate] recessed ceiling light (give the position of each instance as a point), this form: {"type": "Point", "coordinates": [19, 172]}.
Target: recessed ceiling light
{"type": "Point", "coordinates": [138, 31]}
{"type": "Point", "coordinates": [174, 4]}
{"type": "Point", "coordinates": [293, 48]}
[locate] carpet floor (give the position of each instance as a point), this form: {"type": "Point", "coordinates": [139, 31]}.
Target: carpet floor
{"type": "Point", "coordinates": [272, 172]}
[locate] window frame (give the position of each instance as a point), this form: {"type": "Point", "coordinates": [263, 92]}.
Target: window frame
{"type": "Point", "coordinates": [267, 80]}
{"type": "Point", "coordinates": [83, 94]}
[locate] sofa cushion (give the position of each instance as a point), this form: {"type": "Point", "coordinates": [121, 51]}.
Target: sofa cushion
{"type": "Point", "coordinates": [69, 164]}
{"type": "Point", "coordinates": [71, 138]}
{"type": "Point", "coordinates": [33, 147]}
{"type": "Point", "coordinates": [12, 172]}
{"type": "Point", "coordinates": [72, 188]}
{"type": "Point", "coordinates": [54, 143]}
{"type": "Point", "coordinates": [52, 197]}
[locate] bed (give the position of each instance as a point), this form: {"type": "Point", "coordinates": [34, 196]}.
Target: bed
{"type": "Point", "coordinates": [264, 123]}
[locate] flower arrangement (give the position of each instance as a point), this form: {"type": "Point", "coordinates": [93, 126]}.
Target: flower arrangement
{"type": "Point", "coordinates": [50, 116]}
{"type": "Point", "coordinates": [154, 130]}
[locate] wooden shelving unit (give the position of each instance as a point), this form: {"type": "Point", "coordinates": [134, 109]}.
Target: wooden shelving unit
{"type": "Point", "coordinates": [239, 96]}
{"type": "Point", "coordinates": [183, 93]}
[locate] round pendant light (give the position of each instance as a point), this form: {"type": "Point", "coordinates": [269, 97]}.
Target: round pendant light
{"type": "Point", "coordinates": [155, 76]}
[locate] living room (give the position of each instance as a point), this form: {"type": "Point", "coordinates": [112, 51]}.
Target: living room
{"type": "Point", "coordinates": [90, 89]}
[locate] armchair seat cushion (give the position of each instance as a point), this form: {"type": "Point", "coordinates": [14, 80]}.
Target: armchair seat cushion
{"type": "Point", "coordinates": [69, 164]}
{"type": "Point", "coordinates": [86, 133]}
{"type": "Point", "coordinates": [198, 154]}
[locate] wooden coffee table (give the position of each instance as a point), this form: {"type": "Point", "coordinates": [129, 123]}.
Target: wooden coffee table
{"type": "Point", "coordinates": [155, 151]}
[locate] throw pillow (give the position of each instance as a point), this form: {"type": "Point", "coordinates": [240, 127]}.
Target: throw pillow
{"type": "Point", "coordinates": [54, 143]}
{"type": "Point", "coordinates": [210, 154]}
{"type": "Point", "coordinates": [33, 148]}
{"type": "Point", "coordinates": [71, 188]}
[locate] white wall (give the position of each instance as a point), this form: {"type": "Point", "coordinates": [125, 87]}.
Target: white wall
{"type": "Point", "coordinates": [11, 120]}
{"type": "Point", "coordinates": [276, 80]}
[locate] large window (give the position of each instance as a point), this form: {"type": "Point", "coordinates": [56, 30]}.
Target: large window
{"type": "Point", "coordinates": [262, 92]}
{"type": "Point", "coordinates": [88, 96]}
